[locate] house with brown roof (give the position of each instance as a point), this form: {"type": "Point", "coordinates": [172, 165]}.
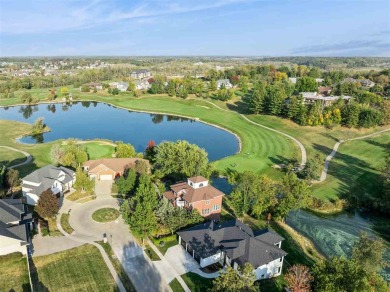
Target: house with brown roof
{"type": "Point", "coordinates": [110, 168]}
{"type": "Point", "coordinates": [196, 193]}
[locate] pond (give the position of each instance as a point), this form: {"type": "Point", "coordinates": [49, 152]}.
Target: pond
{"type": "Point", "coordinates": [333, 235]}
{"type": "Point", "coordinates": [92, 120]}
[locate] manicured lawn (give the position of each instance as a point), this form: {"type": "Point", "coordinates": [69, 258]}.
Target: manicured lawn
{"type": "Point", "coordinates": [151, 253]}
{"type": "Point", "coordinates": [10, 130]}
{"type": "Point", "coordinates": [105, 215]}
{"type": "Point", "coordinates": [118, 267]}
{"type": "Point", "coordinates": [98, 150]}
{"type": "Point", "coordinates": [11, 157]}
{"type": "Point", "coordinates": [77, 269]}
{"type": "Point", "coordinates": [272, 285]}
{"type": "Point", "coordinates": [197, 283]}
{"type": "Point", "coordinates": [51, 228]}
{"type": "Point", "coordinates": [14, 273]}
{"type": "Point", "coordinates": [175, 286]}
{"type": "Point", "coordinates": [169, 241]}
{"type": "Point", "coordinates": [77, 196]}
{"type": "Point", "coordinates": [65, 224]}
{"type": "Point", "coordinates": [356, 168]}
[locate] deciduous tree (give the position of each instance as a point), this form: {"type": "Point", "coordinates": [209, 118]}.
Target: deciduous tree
{"type": "Point", "coordinates": [232, 280]}
{"type": "Point", "coordinates": [298, 278]}
{"type": "Point", "coordinates": [47, 206]}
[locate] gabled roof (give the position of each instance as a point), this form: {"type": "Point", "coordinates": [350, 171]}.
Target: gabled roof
{"type": "Point", "coordinates": [138, 71]}
{"type": "Point", "coordinates": [12, 210]}
{"type": "Point", "coordinates": [238, 240]}
{"type": "Point", "coordinates": [115, 164]}
{"type": "Point", "coordinates": [46, 176]}
{"type": "Point", "coordinates": [196, 179]}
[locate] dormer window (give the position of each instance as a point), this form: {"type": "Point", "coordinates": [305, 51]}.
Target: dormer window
{"type": "Point", "coordinates": [191, 184]}
{"type": "Point", "coordinates": [200, 185]}
{"type": "Point", "coordinates": [208, 202]}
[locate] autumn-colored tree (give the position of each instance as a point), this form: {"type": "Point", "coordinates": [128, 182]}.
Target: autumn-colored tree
{"type": "Point", "coordinates": [298, 278]}
{"type": "Point", "coordinates": [47, 206]}
{"type": "Point", "coordinates": [12, 178]}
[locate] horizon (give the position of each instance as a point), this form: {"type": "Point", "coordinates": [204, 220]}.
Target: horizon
{"type": "Point", "coordinates": [224, 28]}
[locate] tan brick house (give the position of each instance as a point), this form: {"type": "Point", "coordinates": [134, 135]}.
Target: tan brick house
{"type": "Point", "coordinates": [196, 193]}
{"type": "Point", "coordinates": [110, 168]}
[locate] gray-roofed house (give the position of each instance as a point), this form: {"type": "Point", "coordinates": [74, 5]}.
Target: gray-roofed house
{"type": "Point", "coordinates": [57, 179]}
{"type": "Point", "coordinates": [140, 73]}
{"type": "Point", "coordinates": [142, 85]}
{"type": "Point", "coordinates": [224, 82]}
{"type": "Point", "coordinates": [15, 223]}
{"type": "Point", "coordinates": [232, 243]}
{"type": "Point", "coordinates": [122, 86]}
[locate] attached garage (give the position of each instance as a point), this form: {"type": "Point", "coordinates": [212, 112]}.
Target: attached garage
{"type": "Point", "coordinates": [106, 177]}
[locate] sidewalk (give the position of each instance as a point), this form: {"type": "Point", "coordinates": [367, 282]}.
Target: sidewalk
{"type": "Point", "coordinates": [167, 267]}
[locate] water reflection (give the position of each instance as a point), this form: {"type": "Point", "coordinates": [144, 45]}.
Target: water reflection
{"type": "Point", "coordinates": [38, 138]}
{"type": "Point", "coordinates": [157, 119]}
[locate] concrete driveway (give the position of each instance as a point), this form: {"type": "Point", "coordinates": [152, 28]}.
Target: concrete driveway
{"type": "Point", "coordinates": [142, 272]}
{"type": "Point", "coordinates": [103, 187]}
{"type": "Point", "coordinates": [181, 260]}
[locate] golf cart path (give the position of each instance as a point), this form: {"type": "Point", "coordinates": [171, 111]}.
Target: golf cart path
{"type": "Point", "coordinates": [28, 156]}
{"type": "Point", "coordinates": [300, 145]}
{"type": "Point", "coordinates": [336, 147]}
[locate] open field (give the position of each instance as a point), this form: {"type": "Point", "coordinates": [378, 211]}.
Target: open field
{"type": "Point", "coordinates": [355, 168]}
{"type": "Point", "coordinates": [77, 269]}
{"type": "Point", "coordinates": [14, 273]}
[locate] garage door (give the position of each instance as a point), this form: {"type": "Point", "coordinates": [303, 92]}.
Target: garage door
{"type": "Point", "coordinates": [106, 177]}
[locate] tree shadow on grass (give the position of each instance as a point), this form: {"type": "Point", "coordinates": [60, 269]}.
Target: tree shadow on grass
{"type": "Point", "coordinates": [36, 283]}
{"type": "Point", "coordinates": [239, 107]}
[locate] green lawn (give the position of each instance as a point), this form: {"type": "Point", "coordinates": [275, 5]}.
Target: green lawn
{"type": "Point", "coordinates": [98, 150]}
{"type": "Point", "coordinates": [77, 269]}
{"type": "Point", "coordinates": [151, 253]}
{"type": "Point", "coordinates": [175, 286]}
{"type": "Point", "coordinates": [65, 224]}
{"type": "Point", "coordinates": [169, 241]}
{"type": "Point", "coordinates": [14, 273]}
{"type": "Point", "coordinates": [11, 157]}
{"type": "Point", "coordinates": [77, 196]}
{"type": "Point", "coordinates": [197, 283]}
{"type": "Point", "coordinates": [355, 168]}
{"type": "Point", "coordinates": [105, 215]}
{"type": "Point", "coordinates": [118, 267]}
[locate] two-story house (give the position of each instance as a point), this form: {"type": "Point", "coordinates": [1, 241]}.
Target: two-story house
{"type": "Point", "coordinates": [140, 73]}
{"type": "Point", "coordinates": [224, 83]}
{"type": "Point", "coordinates": [57, 179]}
{"type": "Point", "coordinates": [15, 224]}
{"type": "Point", "coordinates": [232, 243]}
{"type": "Point", "coordinates": [196, 193]}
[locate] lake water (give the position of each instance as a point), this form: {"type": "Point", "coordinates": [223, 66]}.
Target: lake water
{"type": "Point", "coordinates": [91, 120]}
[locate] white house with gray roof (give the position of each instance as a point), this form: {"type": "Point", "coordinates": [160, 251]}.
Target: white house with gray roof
{"type": "Point", "coordinates": [15, 223]}
{"type": "Point", "coordinates": [233, 243]}
{"type": "Point", "coordinates": [57, 179]}
{"type": "Point", "coordinates": [224, 83]}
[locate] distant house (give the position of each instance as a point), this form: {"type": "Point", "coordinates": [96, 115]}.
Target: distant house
{"type": "Point", "coordinates": [57, 179]}
{"type": "Point", "coordinates": [51, 73]}
{"type": "Point", "coordinates": [196, 193]}
{"type": "Point", "coordinates": [293, 80]}
{"type": "Point", "coordinates": [122, 86]}
{"type": "Point", "coordinates": [363, 82]}
{"type": "Point", "coordinates": [93, 85]}
{"type": "Point", "coordinates": [15, 224]}
{"type": "Point", "coordinates": [311, 97]}
{"type": "Point", "coordinates": [324, 90]}
{"type": "Point", "coordinates": [224, 82]}
{"type": "Point", "coordinates": [232, 243]}
{"type": "Point", "coordinates": [319, 80]}
{"type": "Point", "coordinates": [110, 168]}
{"type": "Point", "coordinates": [140, 73]}
{"type": "Point", "coordinates": [142, 85]}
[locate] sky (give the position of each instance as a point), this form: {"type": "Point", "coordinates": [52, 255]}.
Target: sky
{"type": "Point", "coordinates": [194, 28]}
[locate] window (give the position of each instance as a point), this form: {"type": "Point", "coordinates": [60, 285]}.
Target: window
{"type": "Point", "coordinates": [279, 270]}
{"type": "Point", "coordinates": [191, 184]}
{"type": "Point", "coordinates": [205, 211]}
{"type": "Point", "coordinates": [281, 259]}
{"type": "Point", "coordinates": [216, 207]}
{"type": "Point", "coordinates": [207, 202]}
{"type": "Point", "coordinates": [201, 185]}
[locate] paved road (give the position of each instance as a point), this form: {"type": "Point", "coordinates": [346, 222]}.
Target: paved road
{"type": "Point", "coordinates": [28, 156]}
{"type": "Point", "coordinates": [141, 271]}
{"type": "Point", "coordinates": [336, 147]}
